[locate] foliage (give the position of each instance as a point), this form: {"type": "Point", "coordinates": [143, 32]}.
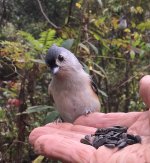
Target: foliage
{"type": "Point", "coordinates": [111, 39]}
{"type": "Point", "coordinates": [22, 68]}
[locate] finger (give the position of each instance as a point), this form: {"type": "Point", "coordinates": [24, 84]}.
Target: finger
{"type": "Point", "coordinates": [75, 132]}
{"type": "Point", "coordinates": [73, 128]}
{"type": "Point", "coordinates": [63, 148]}
{"type": "Point", "coordinates": [141, 126]}
{"type": "Point", "coordinates": [100, 120]}
{"type": "Point", "coordinates": [145, 89]}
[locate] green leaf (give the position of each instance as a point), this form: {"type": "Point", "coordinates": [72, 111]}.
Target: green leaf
{"type": "Point", "coordinates": [101, 69]}
{"type": "Point", "coordinates": [144, 26]}
{"type": "Point", "coordinates": [102, 93]}
{"type": "Point", "coordinates": [51, 117]}
{"type": "Point", "coordinates": [85, 48]}
{"type": "Point", "coordinates": [48, 35]}
{"type": "Point", "coordinates": [28, 37]}
{"type": "Point", "coordinates": [48, 38]}
{"type": "Point", "coordinates": [38, 61]}
{"type": "Point", "coordinates": [2, 113]}
{"type": "Point", "coordinates": [98, 73]}
{"type": "Point", "coordinates": [132, 54]}
{"type": "Point", "coordinates": [85, 67]}
{"type": "Point", "coordinates": [68, 43]}
{"type": "Point", "coordinates": [100, 39]}
{"type": "Point", "coordinates": [39, 159]}
{"type": "Point", "coordinates": [93, 47]}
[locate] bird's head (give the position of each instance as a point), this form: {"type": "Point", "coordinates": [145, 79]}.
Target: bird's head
{"type": "Point", "coordinates": [61, 60]}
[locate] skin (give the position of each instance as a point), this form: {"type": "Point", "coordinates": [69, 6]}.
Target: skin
{"type": "Point", "coordinates": [62, 140]}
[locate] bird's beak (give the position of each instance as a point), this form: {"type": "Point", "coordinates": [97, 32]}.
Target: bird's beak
{"type": "Point", "coordinates": [54, 70]}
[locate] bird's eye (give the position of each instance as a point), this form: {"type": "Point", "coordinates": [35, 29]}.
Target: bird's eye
{"type": "Point", "coordinates": [60, 58]}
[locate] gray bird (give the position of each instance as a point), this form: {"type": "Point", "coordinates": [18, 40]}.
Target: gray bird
{"type": "Point", "coordinates": [71, 87]}
{"type": "Point", "coordinates": [122, 22]}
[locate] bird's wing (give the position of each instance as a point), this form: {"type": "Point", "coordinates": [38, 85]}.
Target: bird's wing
{"type": "Point", "coordinates": [94, 87]}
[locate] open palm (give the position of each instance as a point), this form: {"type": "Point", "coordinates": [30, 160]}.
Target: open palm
{"type": "Point", "coordinates": [62, 140]}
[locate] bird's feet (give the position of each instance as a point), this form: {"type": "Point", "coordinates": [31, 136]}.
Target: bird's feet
{"type": "Point", "coordinates": [88, 111]}
{"type": "Point", "coordinates": [58, 119]}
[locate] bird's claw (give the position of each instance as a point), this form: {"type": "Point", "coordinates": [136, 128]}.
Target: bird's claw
{"type": "Point", "coordinates": [87, 112]}
{"type": "Point", "coordinates": [58, 120]}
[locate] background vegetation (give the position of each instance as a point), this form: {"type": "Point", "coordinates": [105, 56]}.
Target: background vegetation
{"type": "Point", "coordinates": [111, 38]}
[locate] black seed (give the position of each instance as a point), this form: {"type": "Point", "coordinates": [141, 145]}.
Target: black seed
{"type": "Point", "coordinates": [120, 141]}
{"type": "Point", "coordinates": [122, 145]}
{"type": "Point", "coordinates": [130, 141]}
{"type": "Point", "coordinates": [96, 138]}
{"type": "Point", "coordinates": [112, 129]}
{"type": "Point", "coordinates": [110, 145]}
{"type": "Point", "coordinates": [110, 133]}
{"type": "Point", "coordinates": [87, 137]}
{"type": "Point", "coordinates": [107, 136]}
{"type": "Point", "coordinates": [100, 136]}
{"type": "Point", "coordinates": [95, 141]}
{"type": "Point", "coordinates": [120, 129]}
{"type": "Point", "coordinates": [101, 131]}
{"type": "Point", "coordinates": [138, 139]}
{"type": "Point", "coordinates": [84, 141]}
{"type": "Point", "coordinates": [131, 136]}
{"type": "Point", "coordinates": [111, 137]}
{"type": "Point", "coordinates": [99, 143]}
{"type": "Point", "coordinates": [117, 135]}
{"type": "Point", "coordinates": [114, 138]}
{"type": "Point", "coordinates": [110, 141]}
{"type": "Point", "coordinates": [117, 126]}
{"type": "Point", "coordinates": [124, 135]}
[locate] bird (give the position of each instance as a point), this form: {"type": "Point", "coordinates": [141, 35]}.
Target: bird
{"type": "Point", "coordinates": [72, 89]}
{"type": "Point", "coordinates": [123, 23]}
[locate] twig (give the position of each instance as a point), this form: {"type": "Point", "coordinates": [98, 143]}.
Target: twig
{"type": "Point", "coordinates": [129, 79]}
{"type": "Point", "coordinates": [106, 57]}
{"type": "Point", "coordinates": [49, 21]}
{"type": "Point", "coordinates": [15, 69]}
{"type": "Point", "coordinates": [69, 11]}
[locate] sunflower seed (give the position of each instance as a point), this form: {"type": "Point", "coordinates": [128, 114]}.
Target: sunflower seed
{"type": "Point", "coordinates": [111, 137]}
{"type": "Point", "coordinates": [110, 145]}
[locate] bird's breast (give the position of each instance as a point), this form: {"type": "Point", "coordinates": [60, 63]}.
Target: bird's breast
{"type": "Point", "coordinates": [73, 103]}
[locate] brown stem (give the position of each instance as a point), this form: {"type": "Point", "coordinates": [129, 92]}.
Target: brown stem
{"type": "Point", "coordinates": [32, 75]}
{"type": "Point", "coordinates": [20, 120]}
{"type": "Point", "coordinates": [127, 91]}
{"type": "Point", "coordinates": [69, 11]}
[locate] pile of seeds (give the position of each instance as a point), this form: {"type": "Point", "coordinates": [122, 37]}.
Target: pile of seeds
{"type": "Point", "coordinates": [111, 137]}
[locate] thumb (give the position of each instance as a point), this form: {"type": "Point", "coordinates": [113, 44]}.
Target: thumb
{"type": "Point", "coordinates": [145, 89]}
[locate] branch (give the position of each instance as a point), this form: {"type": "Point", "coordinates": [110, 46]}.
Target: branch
{"type": "Point", "coordinates": [69, 11]}
{"type": "Point", "coordinates": [50, 22]}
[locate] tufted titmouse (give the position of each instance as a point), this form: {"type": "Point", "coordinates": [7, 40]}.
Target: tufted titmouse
{"type": "Point", "coordinates": [122, 22]}
{"type": "Point", "coordinates": [71, 87]}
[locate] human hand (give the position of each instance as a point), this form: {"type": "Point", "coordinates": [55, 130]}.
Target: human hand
{"type": "Point", "coordinates": [62, 140]}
